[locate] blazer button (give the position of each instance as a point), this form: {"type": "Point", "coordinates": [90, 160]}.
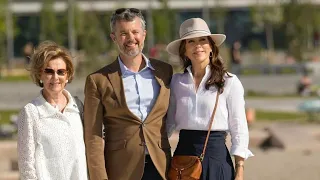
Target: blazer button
{"type": "Point", "coordinates": [142, 144]}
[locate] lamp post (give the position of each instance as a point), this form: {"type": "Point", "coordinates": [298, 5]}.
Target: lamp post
{"type": "Point", "coordinates": [71, 31]}
{"type": "Point", "coordinates": [9, 32]}
{"type": "Point", "coordinates": [205, 11]}
{"type": "Point", "coordinates": [150, 33]}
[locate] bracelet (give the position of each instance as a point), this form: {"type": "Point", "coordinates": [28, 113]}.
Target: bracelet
{"type": "Point", "coordinates": [240, 165]}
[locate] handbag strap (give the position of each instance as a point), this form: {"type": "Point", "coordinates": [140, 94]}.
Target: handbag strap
{"type": "Point", "coordinates": [80, 107]}
{"type": "Point", "coordinates": [211, 122]}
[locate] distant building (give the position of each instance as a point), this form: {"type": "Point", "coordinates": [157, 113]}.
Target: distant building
{"type": "Point", "coordinates": [34, 6]}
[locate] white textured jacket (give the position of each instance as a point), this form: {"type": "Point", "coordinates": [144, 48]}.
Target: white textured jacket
{"type": "Point", "coordinates": [50, 143]}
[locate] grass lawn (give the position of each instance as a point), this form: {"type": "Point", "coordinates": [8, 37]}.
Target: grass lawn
{"type": "Point", "coordinates": [15, 78]}
{"type": "Point", "coordinates": [262, 115]}
{"type": "Point", "coordinates": [260, 95]}
{"type": "Point", "coordinates": [277, 96]}
{"type": "Point", "coordinates": [5, 115]}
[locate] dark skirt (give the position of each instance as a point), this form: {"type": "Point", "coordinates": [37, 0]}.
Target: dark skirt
{"type": "Point", "coordinates": [217, 162]}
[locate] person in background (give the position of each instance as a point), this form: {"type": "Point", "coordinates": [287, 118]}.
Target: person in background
{"type": "Point", "coordinates": [128, 101]}
{"type": "Point", "coordinates": [304, 85]}
{"type": "Point", "coordinates": [193, 96]}
{"type": "Point", "coordinates": [50, 133]}
{"type": "Point", "coordinates": [27, 52]}
{"type": "Point", "coordinates": [236, 58]}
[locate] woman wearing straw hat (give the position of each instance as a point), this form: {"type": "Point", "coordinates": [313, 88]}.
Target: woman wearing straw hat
{"type": "Point", "coordinates": [193, 97]}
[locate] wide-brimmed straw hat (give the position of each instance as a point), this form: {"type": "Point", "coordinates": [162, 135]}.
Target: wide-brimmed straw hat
{"type": "Point", "coordinates": [192, 28]}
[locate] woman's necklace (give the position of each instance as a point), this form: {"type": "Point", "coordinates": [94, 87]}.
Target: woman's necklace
{"type": "Point", "coordinates": [63, 104]}
{"type": "Point", "coordinates": [60, 106]}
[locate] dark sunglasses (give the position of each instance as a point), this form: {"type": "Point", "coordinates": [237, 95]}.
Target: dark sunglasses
{"type": "Point", "coordinates": [60, 72]}
{"type": "Point", "coordinates": [133, 10]}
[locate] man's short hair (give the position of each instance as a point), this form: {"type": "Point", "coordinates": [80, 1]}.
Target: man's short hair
{"type": "Point", "coordinates": [126, 14]}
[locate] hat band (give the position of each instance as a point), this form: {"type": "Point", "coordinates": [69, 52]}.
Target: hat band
{"type": "Point", "coordinates": [192, 32]}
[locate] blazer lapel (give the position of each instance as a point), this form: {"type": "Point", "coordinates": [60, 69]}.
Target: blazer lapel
{"type": "Point", "coordinates": [116, 81]}
{"type": "Point", "coordinates": [115, 77]}
{"type": "Point", "coordinates": [158, 74]}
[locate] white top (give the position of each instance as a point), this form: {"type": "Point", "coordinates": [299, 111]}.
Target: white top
{"type": "Point", "coordinates": [192, 110]}
{"type": "Point", "coordinates": [50, 143]}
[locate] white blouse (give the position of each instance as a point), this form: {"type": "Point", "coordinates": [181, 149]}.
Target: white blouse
{"type": "Point", "coordinates": [50, 143]}
{"type": "Point", "coordinates": [192, 110]}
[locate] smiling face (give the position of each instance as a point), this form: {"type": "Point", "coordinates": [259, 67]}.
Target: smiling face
{"type": "Point", "coordinates": [129, 37]}
{"type": "Point", "coordinates": [198, 50]}
{"type": "Point", "coordinates": [54, 76]}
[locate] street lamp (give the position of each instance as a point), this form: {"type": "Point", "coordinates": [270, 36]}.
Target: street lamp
{"type": "Point", "coordinates": [150, 33]}
{"type": "Point", "coordinates": [9, 29]}
{"type": "Point", "coordinates": [71, 32]}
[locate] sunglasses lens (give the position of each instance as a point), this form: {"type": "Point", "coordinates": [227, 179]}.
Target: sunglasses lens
{"type": "Point", "coordinates": [121, 10]}
{"type": "Point", "coordinates": [134, 10]}
{"type": "Point", "coordinates": [60, 72]}
{"type": "Point", "coordinates": [49, 71]}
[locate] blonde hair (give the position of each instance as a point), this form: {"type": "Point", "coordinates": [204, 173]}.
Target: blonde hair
{"type": "Point", "coordinates": [45, 52]}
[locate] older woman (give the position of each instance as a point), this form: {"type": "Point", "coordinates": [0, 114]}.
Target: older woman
{"type": "Point", "coordinates": [193, 97]}
{"type": "Point", "coordinates": [50, 133]}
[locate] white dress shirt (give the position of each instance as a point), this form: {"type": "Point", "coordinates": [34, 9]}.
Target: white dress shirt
{"type": "Point", "coordinates": [192, 110]}
{"type": "Point", "coordinates": [50, 143]}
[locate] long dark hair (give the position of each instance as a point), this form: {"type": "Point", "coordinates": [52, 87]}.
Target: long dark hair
{"type": "Point", "coordinates": [216, 66]}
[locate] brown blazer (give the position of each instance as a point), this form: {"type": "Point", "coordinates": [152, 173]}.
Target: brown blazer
{"type": "Point", "coordinates": [120, 156]}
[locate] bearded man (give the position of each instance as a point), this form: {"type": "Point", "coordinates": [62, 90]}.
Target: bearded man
{"type": "Point", "coordinates": [125, 108]}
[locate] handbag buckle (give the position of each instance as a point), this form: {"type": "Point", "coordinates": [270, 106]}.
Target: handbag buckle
{"type": "Point", "coordinates": [201, 157]}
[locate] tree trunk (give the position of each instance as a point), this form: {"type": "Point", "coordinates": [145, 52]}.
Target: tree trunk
{"type": "Point", "coordinates": [9, 33]}
{"type": "Point", "coordinates": [220, 25]}
{"type": "Point", "coordinates": [270, 42]}
{"type": "Point", "coordinates": [72, 41]}
{"type": "Point", "coordinates": [150, 34]}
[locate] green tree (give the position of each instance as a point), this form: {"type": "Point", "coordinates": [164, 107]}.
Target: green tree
{"type": "Point", "coordinates": [164, 28]}
{"type": "Point", "coordinates": [163, 20]}
{"type": "Point", "coordinates": [164, 23]}
{"type": "Point", "coordinates": [50, 28]}
{"type": "Point", "coordinates": [3, 10]}
{"type": "Point", "coordinates": [301, 20]}
{"type": "Point", "coordinates": [218, 14]}
{"type": "Point", "coordinates": [265, 18]}
{"type": "Point", "coordinates": [92, 40]}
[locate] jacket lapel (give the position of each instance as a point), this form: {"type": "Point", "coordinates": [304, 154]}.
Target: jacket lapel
{"type": "Point", "coordinates": [116, 81]}
{"type": "Point", "coordinates": [158, 74]}
{"type": "Point", "coordinates": [115, 77]}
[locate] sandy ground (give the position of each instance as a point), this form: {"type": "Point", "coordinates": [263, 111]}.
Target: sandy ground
{"type": "Point", "coordinates": [283, 165]}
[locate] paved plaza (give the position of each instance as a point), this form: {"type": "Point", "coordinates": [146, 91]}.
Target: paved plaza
{"type": "Point", "coordinates": [16, 95]}
{"type": "Point", "coordinates": [299, 160]}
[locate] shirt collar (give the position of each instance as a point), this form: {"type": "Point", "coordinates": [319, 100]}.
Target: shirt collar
{"type": "Point", "coordinates": [46, 109]}
{"type": "Point", "coordinates": [208, 70]}
{"type": "Point", "coordinates": [125, 70]}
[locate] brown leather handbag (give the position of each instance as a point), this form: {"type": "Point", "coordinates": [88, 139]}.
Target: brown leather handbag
{"type": "Point", "coordinates": [189, 167]}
